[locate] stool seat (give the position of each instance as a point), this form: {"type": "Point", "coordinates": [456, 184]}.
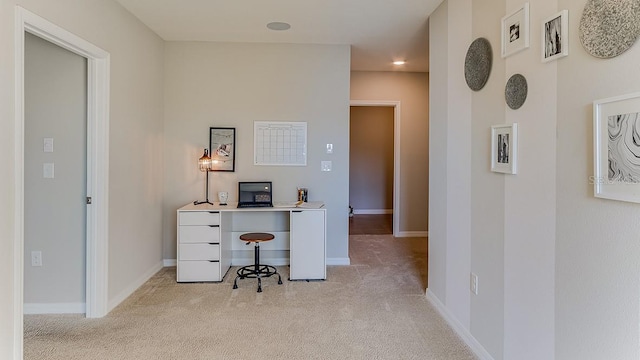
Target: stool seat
{"type": "Point", "coordinates": [257, 270]}
{"type": "Point", "coordinates": [256, 237]}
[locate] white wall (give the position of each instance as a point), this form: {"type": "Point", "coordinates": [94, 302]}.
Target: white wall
{"type": "Point", "coordinates": [233, 85]}
{"type": "Point", "coordinates": [438, 115]}
{"type": "Point", "coordinates": [450, 138]}
{"type": "Point", "coordinates": [487, 189]}
{"type": "Point", "coordinates": [558, 268]}
{"type": "Point", "coordinates": [412, 90]}
{"type": "Point", "coordinates": [598, 242]}
{"type": "Point", "coordinates": [530, 219]}
{"type": "Point", "coordinates": [136, 131]}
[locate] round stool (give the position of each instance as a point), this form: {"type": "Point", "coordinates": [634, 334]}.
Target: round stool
{"type": "Point", "coordinates": [257, 270]}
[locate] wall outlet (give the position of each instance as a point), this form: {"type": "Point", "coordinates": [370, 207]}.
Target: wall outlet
{"type": "Point", "coordinates": [329, 148]}
{"type": "Point", "coordinates": [36, 258]}
{"type": "Point", "coordinates": [474, 283]}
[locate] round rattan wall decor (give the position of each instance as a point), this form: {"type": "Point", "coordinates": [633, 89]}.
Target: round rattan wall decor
{"type": "Point", "coordinates": [477, 64]}
{"type": "Point", "coordinates": [515, 92]}
{"type": "Point", "coordinates": [609, 27]}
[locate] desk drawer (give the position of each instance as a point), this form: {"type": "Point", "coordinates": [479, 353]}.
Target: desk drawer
{"type": "Point", "coordinates": [194, 271]}
{"type": "Point", "coordinates": [199, 218]}
{"type": "Point", "coordinates": [199, 252]}
{"type": "Point", "coordinates": [199, 234]}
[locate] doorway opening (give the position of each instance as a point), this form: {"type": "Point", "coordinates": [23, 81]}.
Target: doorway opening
{"type": "Point", "coordinates": [54, 201]}
{"type": "Point", "coordinates": [97, 164]}
{"type": "Point", "coordinates": [374, 170]}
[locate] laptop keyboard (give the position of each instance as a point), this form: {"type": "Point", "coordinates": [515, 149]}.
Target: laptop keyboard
{"type": "Point", "coordinates": [257, 205]}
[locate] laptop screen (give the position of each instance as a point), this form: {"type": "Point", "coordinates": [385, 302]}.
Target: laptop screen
{"type": "Point", "coordinates": [255, 192]}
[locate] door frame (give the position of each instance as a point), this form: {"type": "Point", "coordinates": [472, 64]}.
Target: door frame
{"type": "Point", "coordinates": [98, 66]}
{"type": "Point", "coordinates": [396, 153]}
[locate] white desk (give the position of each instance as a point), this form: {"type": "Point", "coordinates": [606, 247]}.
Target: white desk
{"type": "Point", "coordinates": [208, 240]}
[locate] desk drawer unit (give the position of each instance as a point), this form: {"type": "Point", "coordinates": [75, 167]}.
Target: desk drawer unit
{"type": "Point", "coordinates": [199, 234]}
{"type": "Point", "coordinates": [198, 271]}
{"type": "Point", "coordinates": [209, 252]}
{"type": "Point", "coordinates": [198, 246]}
{"type": "Point", "coordinates": [199, 218]}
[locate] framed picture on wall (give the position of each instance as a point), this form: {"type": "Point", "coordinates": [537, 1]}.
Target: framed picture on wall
{"type": "Point", "coordinates": [555, 36]}
{"type": "Point", "coordinates": [504, 148]}
{"type": "Point", "coordinates": [616, 125]}
{"type": "Point", "coordinates": [515, 31]}
{"type": "Point", "coordinates": [222, 147]}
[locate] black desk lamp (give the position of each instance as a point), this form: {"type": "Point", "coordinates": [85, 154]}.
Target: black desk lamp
{"type": "Point", "coordinates": [204, 163]}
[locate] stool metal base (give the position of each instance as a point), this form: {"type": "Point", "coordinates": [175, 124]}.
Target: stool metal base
{"type": "Point", "coordinates": [256, 271]}
{"type": "Point", "coordinates": [250, 272]}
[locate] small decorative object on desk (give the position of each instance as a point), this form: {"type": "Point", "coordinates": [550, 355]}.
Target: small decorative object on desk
{"type": "Point", "coordinates": [303, 194]}
{"type": "Point", "coordinates": [223, 196]}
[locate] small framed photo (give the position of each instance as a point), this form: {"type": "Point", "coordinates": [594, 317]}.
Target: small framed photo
{"type": "Point", "coordinates": [222, 147]}
{"type": "Point", "coordinates": [616, 127]}
{"type": "Point", "coordinates": [504, 148]}
{"type": "Point", "coordinates": [515, 31]}
{"type": "Point", "coordinates": [555, 36]}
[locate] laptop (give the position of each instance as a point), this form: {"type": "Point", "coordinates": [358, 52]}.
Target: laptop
{"type": "Point", "coordinates": [254, 194]}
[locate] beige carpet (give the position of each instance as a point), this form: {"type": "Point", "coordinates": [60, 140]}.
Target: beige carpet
{"type": "Point", "coordinates": [374, 309]}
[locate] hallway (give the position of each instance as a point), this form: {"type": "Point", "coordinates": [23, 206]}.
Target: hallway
{"type": "Point", "coordinates": [361, 224]}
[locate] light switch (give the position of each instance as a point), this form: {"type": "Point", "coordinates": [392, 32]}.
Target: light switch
{"type": "Point", "coordinates": [329, 148]}
{"type": "Point", "coordinates": [48, 145]}
{"type": "Point", "coordinates": [326, 165]}
{"type": "Point", "coordinates": [47, 170]}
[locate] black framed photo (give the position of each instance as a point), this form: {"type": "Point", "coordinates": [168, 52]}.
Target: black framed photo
{"type": "Point", "coordinates": [222, 147]}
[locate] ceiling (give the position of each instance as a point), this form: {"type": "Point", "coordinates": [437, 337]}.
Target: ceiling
{"type": "Point", "coordinates": [379, 31]}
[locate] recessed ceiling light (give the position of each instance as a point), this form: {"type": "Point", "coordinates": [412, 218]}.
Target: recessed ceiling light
{"type": "Point", "coordinates": [399, 62]}
{"type": "Point", "coordinates": [278, 26]}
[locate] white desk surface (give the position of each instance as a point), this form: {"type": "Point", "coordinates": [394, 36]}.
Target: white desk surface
{"type": "Point", "coordinates": [233, 206]}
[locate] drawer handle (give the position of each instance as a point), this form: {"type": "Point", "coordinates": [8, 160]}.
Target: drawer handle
{"type": "Point", "coordinates": [214, 225]}
{"type": "Point", "coordinates": [214, 243]}
{"type": "Point", "coordinates": [214, 260]}
{"type": "Point", "coordinates": [214, 212]}
{"type": "Point", "coordinates": [296, 211]}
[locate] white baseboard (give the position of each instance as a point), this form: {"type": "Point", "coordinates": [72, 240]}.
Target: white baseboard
{"type": "Point", "coordinates": [55, 308]}
{"type": "Point", "coordinates": [412, 234]}
{"type": "Point", "coordinates": [339, 261]}
{"type": "Point", "coordinates": [466, 336]}
{"type": "Point", "coordinates": [169, 262]}
{"type": "Point", "coordinates": [133, 287]}
{"type": "Point", "coordinates": [372, 211]}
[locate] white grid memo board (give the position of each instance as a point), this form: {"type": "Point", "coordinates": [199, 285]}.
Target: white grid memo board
{"type": "Point", "coordinates": [280, 143]}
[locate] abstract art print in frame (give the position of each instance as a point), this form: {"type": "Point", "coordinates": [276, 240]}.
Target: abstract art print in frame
{"type": "Point", "coordinates": [616, 131]}
{"type": "Point", "coordinates": [504, 148]}
{"type": "Point", "coordinates": [222, 147]}
{"type": "Point", "coordinates": [515, 31]}
{"type": "Point", "coordinates": [555, 36]}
